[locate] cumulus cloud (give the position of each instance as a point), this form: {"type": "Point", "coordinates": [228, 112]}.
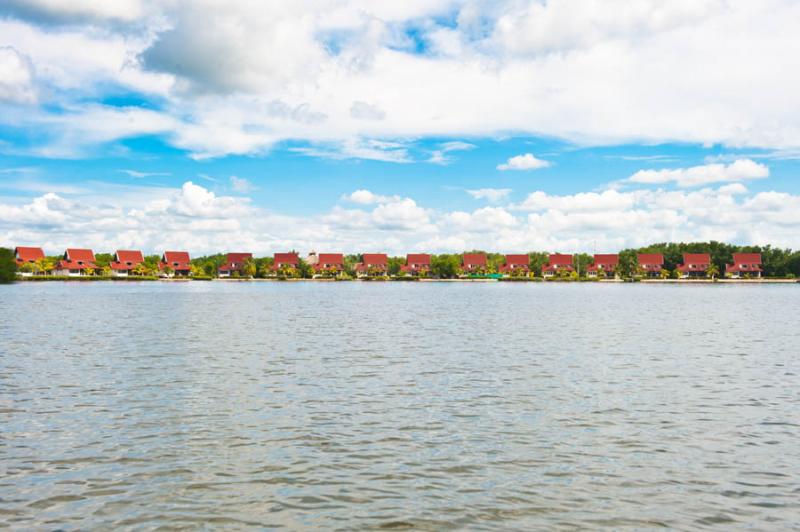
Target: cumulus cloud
{"type": "Point", "coordinates": [365, 197]}
{"type": "Point", "coordinates": [195, 218]}
{"type": "Point", "coordinates": [526, 161]}
{"type": "Point", "coordinates": [16, 77]}
{"type": "Point", "coordinates": [739, 170]}
{"type": "Point", "coordinates": [493, 195]}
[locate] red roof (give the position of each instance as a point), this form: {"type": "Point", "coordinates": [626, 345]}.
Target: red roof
{"type": "Point", "coordinates": [745, 262]}
{"type": "Point", "coordinates": [608, 262]}
{"type": "Point", "coordinates": [418, 259]}
{"type": "Point", "coordinates": [327, 260]}
{"type": "Point", "coordinates": [291, 259]}
{"type": "Point", "coordinates": [134, 257]}
{"type": "Point", "coordinates": [650, 259]}
{"type": "Point", "coordinates": [238, 258]}
{"type": "Point", "coordinates": [558, 259]}
{"type": "Point", "coordinates": [181, 257]}
{"type": "Point", "coordinates": [517, 260]}
{"type": "Point", "coordinates": [474, 259]}
{"type": "Point", "coordinates": [24, 254]}
{"type": "Point", "coordinates": [376, 259]}
{"type": "Point", "coordinates": [696, 258]}
{"type": "Point", "coordinates": [79, 255]}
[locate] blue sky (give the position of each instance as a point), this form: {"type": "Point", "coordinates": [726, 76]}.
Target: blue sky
{"type": "Point", "coordinates": [436, 126]}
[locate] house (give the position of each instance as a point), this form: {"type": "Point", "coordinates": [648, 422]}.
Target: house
{"type": "Point", "coordinates": [605, 265]}
{"type": "Point", "coordinates": [233, 263]}
{"type": "Point", "coordinates": [515, 263]}
{"type": "Point", "coordinates": [417, 264]}
{"type": "Point", "coordinates": [650, 263]}
{"type": "Point", "coordinates": [125, 261]}
{"type": "Point", "coordinates": [285, 260]}
{"type": "Point", "coordinates": [75, 262]}
{"type": "Point", "coordinates": [473, 263]}
{"type": "Point", "coordinates": [557, 262]}
{"type": "Point", "coordinates": [373, 264]}
{"type": "Point", "coordinates": [178, 261]}
{"type": "Point", "coordinates": [744, 264]}
{"type": "Point", "coordinates": [694, 265]}
{"type": "Point", "coordinates": [23, 255]}
{"type": "Point", "coordinates": [329, 262]}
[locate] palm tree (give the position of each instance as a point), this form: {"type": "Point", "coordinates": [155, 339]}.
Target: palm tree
{"type": "Point", "coordinates": [712, 271]}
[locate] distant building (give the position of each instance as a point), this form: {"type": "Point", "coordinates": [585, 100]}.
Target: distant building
{"type": "Point", "coordinates": [178, 261]}
{"type": "Point", "coordinates": [417, 264]}
{"type": "Point", "coordinates": [373, 262]}
{"type": "Point", "coordinates": [75, 262]}
{"type": "Point", "coordinates": [557, 263]}
{"type": "Point", "coordinates": [605, 265]}
{"type": "Point", "coordinates": [330, 262]}
{"type": "Point", "coordinates": [694, 265]}
{"type": "Point", "coordinates": [473, 262]}
{"type": "Point", "coordinates": [651, 263]}
{"type": "Point", "coordinates": [125, 261]}
{"type": "Point", "coordinates": [515, 263]}
{"type": "Point", "coordinates": [233, 263]}
{"type": "Point", "coordinates": [288, 260]}
{"type": "Point", "coordinates": [25, 255]}
{"type": "Point", "coordinates": [744, 264]}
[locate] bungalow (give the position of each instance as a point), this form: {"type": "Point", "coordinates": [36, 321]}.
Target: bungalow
{"type": "Point", "coordinates": [178, 261]}
{"type": "Point", "coordinates": [651, 263]}
{"type": "Point", "coordinates": [285, 260]}
{"type": "Point", "coordinates": [694, 265]}
{"type": "Point", "coordinates": [473, 263]}
{"type": "Point", "coordinates": [75, 262]}
{"type": "Point", "coordinates": [330, 262]}
{"type": "Point", "coordinates": [233, 263]}
{"type": "Point", "coordinates": [604, 266]}
{"type": "Point", "coordinates": [744, 264]}
{"type": "Point", "coordinates": [373, 264]}
{"type": "Point", "coordinates": [416, 264]}
{"type": "Point", "coordinates": [23, 255]}
{"type": "Point", "coordinates": [557, 263]}
{"type": "Point", "coordinates": [515, 263]}
{"type": "Point", "coordinates": [125, 261]}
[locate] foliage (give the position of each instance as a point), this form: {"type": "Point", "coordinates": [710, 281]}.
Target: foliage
{"type": "Point", "coordinates": [8, 267]}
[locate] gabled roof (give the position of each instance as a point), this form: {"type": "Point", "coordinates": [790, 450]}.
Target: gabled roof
{"type": "Point", "coordinates": [418, 258]}
{"type": "Point", "coordinates": [286, 258]}
{"type": "Point", "coordinates": [517, 260]}
{"type": "Point", "coordinates": [747, 258]}
{"type": "Point", "coordinates": [696, 258]}
{"type": "Point", "coordinates": [133, 256]}
{"type": "Point", "coordinates": [181, 257]}
{"type": "Point", "coordinates": [238, 258]}
{"type": "Point", "coordinates": [474, 259]}
{"type": "Point", "coordinates": [24, 254]}
{"type": "Point", "coordinates": [653, 259]}
{"type": "Point", "coordinates": [609, 259]}
{"type": "Point", "coordinates": [559, 259]}
{"type": "Point", "coordinates": [77, 254]}
{"type": "Point", "coordinates": [375, 259]}
{"type": "Point", "coordinates": [331, 258]}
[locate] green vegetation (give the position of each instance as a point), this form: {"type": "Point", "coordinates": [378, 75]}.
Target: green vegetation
{"type": "Point", "coordinates": [8, 268]}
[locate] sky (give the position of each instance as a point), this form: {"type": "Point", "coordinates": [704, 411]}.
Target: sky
{"type": "Point", "coordinates": [417, 126]}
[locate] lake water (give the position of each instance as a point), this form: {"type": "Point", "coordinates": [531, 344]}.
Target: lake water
{"type": "Point", "coordinates": [393, 405]}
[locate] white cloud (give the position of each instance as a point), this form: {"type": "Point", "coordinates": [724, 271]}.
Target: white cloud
{"type": "Point", "coordinates": [739, 170]}
{"type": "Point", "coordinates": [440, 156]}
{"type": "Point", "coordinates": [365, 197]}
{"type": "Point", "coordinates": [493, 195]}
{"type": "Point", "coordinates": [16, 77]}
{"type": "Point", "coordinates": [526, 161]}
{"type": "Point", "coordinates": [365, 111]}
{"type": "Point", "coordinates": [241, 185]}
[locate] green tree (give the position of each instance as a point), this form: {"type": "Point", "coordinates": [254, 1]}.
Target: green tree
{"type": "Point", "coordinates": [445, 266]}
{"type": "Point", "coordinates": [712, 271]}
{"type": "Point", "coordinates": [8, 266]}
{"type": "Point", "coordinates": [248, 268]}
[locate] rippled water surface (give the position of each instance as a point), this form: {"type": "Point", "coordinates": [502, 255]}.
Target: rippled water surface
{"type": "Point", "coordinates": [419, 405]}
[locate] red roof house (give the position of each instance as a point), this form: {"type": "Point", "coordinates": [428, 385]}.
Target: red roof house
{"type": "Point", "coordinates": [557, 262]}
{"type": "Point", "coordinates": [744, 264]}
{"type": "Point", "coordinates": [515, 263]}
{"type": "Point", "coordinates": [604, 264]}
{"type": "Point", "coordinates": [289, 260]}
{"type": "Point", "coordinates": [373, 262]}
{"type": "Point", "coordinates": [23, 255]}
{"type": "Point", "coordinates": [125, 261]}
{"type": "Point", "coordinates": [233, 263]}
{"type": "Point", "coordinates": [416, 263]}
{"type": "Point", "coordinates": [473, 262]}
{"type": "Point", "coordinates": [75, 262]}
{"type": "Point", "coordinates": [695, 264]}
{"type": "Point", "coordinates": [178, 261]}
{"type": "Point", "coordinates": [330, 262]}
{"type": "Point", "coordinates": [651, 263]}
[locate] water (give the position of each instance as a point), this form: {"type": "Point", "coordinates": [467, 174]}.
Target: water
{"type": "Point", "coordinates": [394, 405]}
